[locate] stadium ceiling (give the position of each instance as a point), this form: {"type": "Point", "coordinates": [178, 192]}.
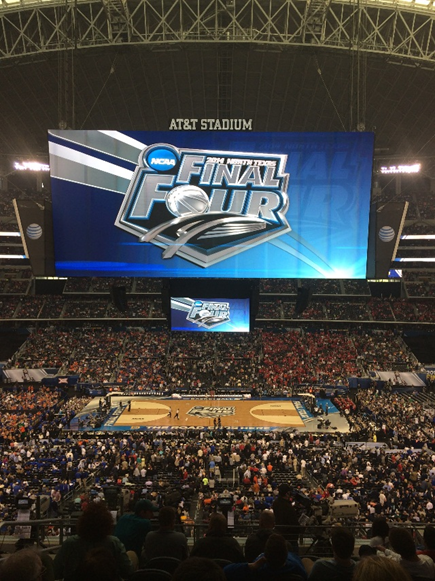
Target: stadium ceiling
{"type": "Point", "coordinates": [317, 65]}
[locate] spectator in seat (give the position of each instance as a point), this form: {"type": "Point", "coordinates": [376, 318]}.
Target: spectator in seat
{"type": "Point", "coordinates": [98, 565]}
{"type": "Point", "coordinates": [418, 566]}
{"type": "Point", "coordinates": [199, 569]}
{"type": "Point", "coordinates": [380, 532]}
{"type": "Point", "coordinates": [256, 542]}
{"type": "Point", "coordinates": [275, 563]}
{"type": "Point", "coordinates": [378, 568]}
{"type": "Point", "coordinates": [341, 566]}
{"type": "Point", "coordinates": [132, 529]}
{"type": "Point", "coordinates": [94, 529]}
{"type": "Point", "coordinates": [166, 542]}
{"type": "Point", "coordinates": [24, 565]}
{"type": "Point", "coordinates": [217, 544]}
{"type": "Point", "coordinates": [286, 517]}
{"type": "Point", "coordinates": [429, 541]}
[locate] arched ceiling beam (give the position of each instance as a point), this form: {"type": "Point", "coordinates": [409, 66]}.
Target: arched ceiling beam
{"type": "Point", "coordinates": [401, 31]}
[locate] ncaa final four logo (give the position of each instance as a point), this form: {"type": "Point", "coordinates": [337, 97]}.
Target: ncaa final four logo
{"type": "Point", "coordinates": [209, 314]}
{"type": "Point", "coordinates": [205, 206]}
{"type": "Point", "coordinates": [200, 411]}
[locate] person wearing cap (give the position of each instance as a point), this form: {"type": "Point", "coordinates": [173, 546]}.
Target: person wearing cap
{"type": "Point", "coordinates": [131, 529]}
{"type": "Point", "coordinates": [286, 517]}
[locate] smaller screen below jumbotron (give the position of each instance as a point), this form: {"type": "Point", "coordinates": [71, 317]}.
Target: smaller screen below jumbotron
{"type": "Point", "coordinates": [215, 315]}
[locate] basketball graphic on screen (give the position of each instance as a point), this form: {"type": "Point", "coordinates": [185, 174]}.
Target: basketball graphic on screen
{"type": "Point", "coordinates": [187, 200]}
{"type": "Point", "coordinates": [204, 313]}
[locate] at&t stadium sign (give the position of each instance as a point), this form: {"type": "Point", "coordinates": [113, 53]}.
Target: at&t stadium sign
{"type": "Point", "coordinates": [210, 125]}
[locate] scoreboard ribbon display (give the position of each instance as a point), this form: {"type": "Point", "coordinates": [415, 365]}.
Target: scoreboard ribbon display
{"type": "Point", "coordinates": [211, 204]}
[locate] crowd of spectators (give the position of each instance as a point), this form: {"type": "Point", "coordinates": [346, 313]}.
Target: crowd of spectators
{"type": "Point", "coordinates": [8, 307]}
{"type": "Point", "coordinates": [418, 228]}
{"type": "Point", "coordinates": [383, 350]}
{"type": "Point", "coordinates": [278, 285]}
{"type": "Point", "coordinates": [339, 310]}
{"type": "Point", "coordinates": [270, 310]}
{"type": "Point", "coordinates": [56, 308]}
{"type": "Point", "coordinates": [14, 286]}
{"type": "Point", "coordinates": [262, 359]}
{"type": "Point", "coordinates": [403, 310]}
{"type": "Point", "coordinates": [174, 468]}
{"type": "Point", "coordinates": [396, 482]}
{"type": "Point", "coordinates": [356, 287]}
{"type": "Point", "coordinates": [417, 289]}
{"type": "Point", "coordinates": [425, 312]}
{"type": "Point", "coordinates": [425, 201]}
{"type": "Point", "coordinates": [380, 309]}
{"type": "Point", "coordinates": [46, 347]}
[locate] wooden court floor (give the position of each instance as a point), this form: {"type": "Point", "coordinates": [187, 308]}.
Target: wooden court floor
{"type": "Point", "coordinates": [202, 412]}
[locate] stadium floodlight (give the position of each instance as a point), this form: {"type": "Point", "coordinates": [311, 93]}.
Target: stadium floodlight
{"type": "Point", "coordinates": [10, 234]}
{"type": "Point", "coordinates": [13, 256]}
{"type": "Point", "coordinates": [403, 168]}
{"type": "Point", "coordinates": [31, 166]}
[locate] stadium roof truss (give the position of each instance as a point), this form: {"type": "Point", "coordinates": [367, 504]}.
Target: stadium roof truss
{"type": "Point", "coordinates": [399, 29]}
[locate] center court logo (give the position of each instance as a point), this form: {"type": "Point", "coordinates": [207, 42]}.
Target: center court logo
{"type": "Point", "coordinates": [205, 206]}
{"type": "Point", "coordinates": [200, 411]}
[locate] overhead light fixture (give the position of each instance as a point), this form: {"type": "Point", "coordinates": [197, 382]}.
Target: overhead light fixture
{"type": "Point", "coordinates": [31, 166]}
{"type": "Point", "coordinates": [402, 168]}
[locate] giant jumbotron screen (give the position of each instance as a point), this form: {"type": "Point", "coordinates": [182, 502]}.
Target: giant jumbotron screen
{"type": "Point", "coordinates": [211, 204]}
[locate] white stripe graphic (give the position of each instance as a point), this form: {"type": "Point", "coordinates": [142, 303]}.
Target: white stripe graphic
{"type": "Point", "coordinates": [418, 237]}
{"type": "Point", "coordinates": [416, 259]}
{"type": "Point", "coordinates": [89, 161]}
{"type": "Point", "coordinates": [124, 138]}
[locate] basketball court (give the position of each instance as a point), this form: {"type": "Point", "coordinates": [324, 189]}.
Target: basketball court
{"type": "Point", "coordinates": [142, 413]}
{"type": "Point", "coordinates": [232, 413]}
